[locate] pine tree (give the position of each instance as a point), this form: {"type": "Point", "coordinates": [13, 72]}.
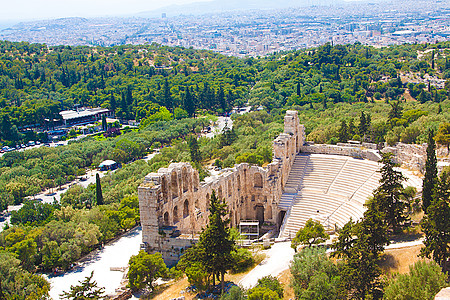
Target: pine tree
{"type": "Point", "coordinates": [396, 110]}
{"type": "Point", "coordinates": [343, 132]}
{"type": "Point", "coordinates": [360, 245]}
{"type": "Point", "coordinates": [217, 241]}
{"type": "Point", "coordinates": [86, 290]}
{"type": "Point", "coordinates": [98, 190]}
{"type": "Point", "coordinates": [388, 196]}
{"type": "Point", "coordinates": [430, 178]}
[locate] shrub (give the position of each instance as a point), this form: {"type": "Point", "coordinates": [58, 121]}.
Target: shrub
{"type": "Point", "coordinates": [424, 281]}
{"type": "Point", "coordinates": [243, 260]}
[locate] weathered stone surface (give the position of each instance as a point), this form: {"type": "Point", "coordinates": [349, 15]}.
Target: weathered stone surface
{"type": "Point", "coordinates": [173, 199]}
{"type": "Point", "coordinates": [174, 203]}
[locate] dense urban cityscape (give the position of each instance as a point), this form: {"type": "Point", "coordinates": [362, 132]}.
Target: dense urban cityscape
{"type": "Point", "coordinates": [254, 33]}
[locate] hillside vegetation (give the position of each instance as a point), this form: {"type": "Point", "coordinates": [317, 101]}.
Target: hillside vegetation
{"type": "Point", "coordinates": [341, 93]}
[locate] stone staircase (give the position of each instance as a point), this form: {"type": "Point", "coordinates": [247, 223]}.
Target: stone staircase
{"type": "Point", "coordinates": [330, 189]}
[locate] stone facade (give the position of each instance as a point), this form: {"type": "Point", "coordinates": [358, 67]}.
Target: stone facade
{"type": "Point", "coordinates": [174, 203]}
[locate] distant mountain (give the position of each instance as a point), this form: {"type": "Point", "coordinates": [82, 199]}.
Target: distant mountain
{"type": "Point", "coordinates": [216, 6]}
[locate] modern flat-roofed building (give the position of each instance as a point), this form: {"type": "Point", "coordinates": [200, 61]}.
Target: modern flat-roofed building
{"type": "Point", "coordinates": [83, 116]}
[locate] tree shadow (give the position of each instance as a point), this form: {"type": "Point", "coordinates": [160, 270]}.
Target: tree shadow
{"type": "Point", "coordinates": [388, 262]}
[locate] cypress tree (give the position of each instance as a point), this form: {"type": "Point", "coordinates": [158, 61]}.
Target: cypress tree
{"type": "Point", "coordinates": [194, 149]}
{"type": "Point", "coordinates": [189, 103]}
{"type": "Point", "coordinates": [299, 91]}
{"type": "Point", "coordinates": [167, 97]}
{"type": "Point", "coordinates": [362, 128]}
{"type": "Point", "coordinates": [429, 181]}
{"type": "Point", "coordinates": [343, 132]}
{"type": "Point", "coordinates": [104, 124]}
{"type": "Point", "coordinates": [98, 190]}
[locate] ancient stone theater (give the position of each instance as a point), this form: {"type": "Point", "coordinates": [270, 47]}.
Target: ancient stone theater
{"type": "Point", "coordinates": [328, 183]}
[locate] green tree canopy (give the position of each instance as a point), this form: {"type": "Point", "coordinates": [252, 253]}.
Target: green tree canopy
{"type": "Point", "coordinates": [145, 268]}
{"type": "Point", "coordinates": [311, 234]}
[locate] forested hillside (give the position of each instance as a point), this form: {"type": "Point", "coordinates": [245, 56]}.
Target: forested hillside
{"type": "Point", "coordinates": [341, 92]}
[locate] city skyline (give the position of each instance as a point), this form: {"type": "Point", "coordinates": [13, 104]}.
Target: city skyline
{"type": "Point", "coordinates": [29, 10]}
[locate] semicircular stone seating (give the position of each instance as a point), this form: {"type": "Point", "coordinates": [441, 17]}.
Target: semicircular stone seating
{"type": "Point", "coordinates": [328, 188]}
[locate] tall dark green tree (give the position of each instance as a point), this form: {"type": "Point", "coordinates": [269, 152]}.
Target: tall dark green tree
{"type": "Point", "coordinates": [112, 102]}
{"type": "Point", "coordinates": [189, 103]}
{"type": "Point", "coordinates": [351, 128]}
{"type": "Point", "coordinates": [98, 190]}
{"type": "Point", "coordinates": [104, 124]}
{"type": "Point", "coordinates": [343, 132]}
{"type": "Point", "coordinates": [360, 245]}
{"type": "Point", "coordinates": [194, 150]}
{"type": "Point", "coordinates": [396, 110]}
{"type": "Point", "coordinates": [213, 253]}
{"type": "Point", "coordinates": [362, 128]}
{"type": "Point", "coordinates": [167, 100]}
{"type": "Point", "coordinates": [388, 196]}
{"type": "Point", "coordinates": [430, 178]}
{"type": "Point", "coordinates": [217, 241]}
{"type": "Point", "coordinates": [436, 224]}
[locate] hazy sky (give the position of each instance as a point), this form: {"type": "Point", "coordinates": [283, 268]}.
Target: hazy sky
{"type": "Point", "coordinates": [45, 9]}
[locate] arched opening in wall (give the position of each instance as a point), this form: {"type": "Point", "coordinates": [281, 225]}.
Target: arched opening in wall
{"type": "Point", "coordinates": [185, 179]}
{"type": "Point", "coordinates": [164, 189]}
{"type": "Point", "coordinates": [197, 210]}
{"type": "Point", "coordinates": [166, 219]}
{"type": "Point", "coordinates": [259, 213]}
{"type": "Point", "coordinates": [174, 182]}
{"type": "Point", "coordinates": [281, 215]}
{"type": "Point", "coordinates": [219, 193]}
{"type": "Point", "coordinates": [195, 180]}
{"type": "Point", "coordinates": [269, 212]}
{"type": "Point", "coordinates": [207, 201]}
{"type": "Point", "coordinates": [175, 214]}
{"type": "Point", "coordinates": [287, 149]}
{"type": "Point", "coordinates": [229, 188]}
{"type": "Point", "coordinates": [258, 181]}
{"type": "Point", "coordinates": [238, 182]}
{"type": "Point", "coordinates": [297, 146]}
{"type": "Point", "coordinates": [186, 209]}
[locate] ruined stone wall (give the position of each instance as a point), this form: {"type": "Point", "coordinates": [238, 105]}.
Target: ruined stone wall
{"type": "Point", "coordinates": [353, 151]}
{"type": "Point", "coordinates": [173, 199]}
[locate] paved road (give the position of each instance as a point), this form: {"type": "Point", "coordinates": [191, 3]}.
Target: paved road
{"type": "Point", "coordinates": [220, 125]}
{"type": "Point", "coordinates": [115, 255]}
{"type": "Point", "coordinates": [278, 259]}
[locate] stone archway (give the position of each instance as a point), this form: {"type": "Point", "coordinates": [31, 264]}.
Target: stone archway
{"type": "Point", "coordinates": [174, 184]}
{"type": "Point", "coordinates": [185, 179]}
{"type": "Point", "coordinates": [175, 215]}
{"type": "Point", "coordinates": [186, 209]}
{"type": "Point", "coordinates": [166, 219]}
{"type": "Point", "coordinates": [259, 208]}
{"type": "Point", "coordinates": [281, 216]}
